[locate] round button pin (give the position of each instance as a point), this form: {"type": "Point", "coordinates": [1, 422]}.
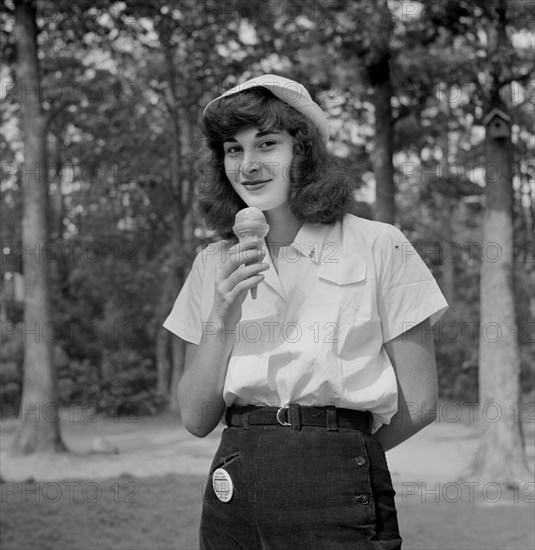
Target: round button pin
{"type": "Point", "coordinates": [222, 484]}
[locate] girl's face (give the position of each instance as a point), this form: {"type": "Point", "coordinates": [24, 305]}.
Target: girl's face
{"type": "Point", "coordinates": [257, 164]}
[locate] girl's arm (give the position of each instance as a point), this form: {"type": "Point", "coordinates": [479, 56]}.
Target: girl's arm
{"type": "Point", "coordinates": [201, 387]}
{"type": "Point", "coordinates": [413, 357]}
{"type": "Point", "coordinates": [200, 390]}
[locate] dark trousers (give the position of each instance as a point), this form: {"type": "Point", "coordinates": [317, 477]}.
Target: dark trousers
{"type": "Point", "coordinates": [300, 489]}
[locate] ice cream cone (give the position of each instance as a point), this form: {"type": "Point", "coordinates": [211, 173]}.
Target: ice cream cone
{"type": "Point", "coordinates": [250, 226]}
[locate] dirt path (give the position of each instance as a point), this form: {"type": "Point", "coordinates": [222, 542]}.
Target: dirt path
{"type": "Point", "coordinates": [168, 466]}
{"type": "Point", "coordinates": [160, 445]}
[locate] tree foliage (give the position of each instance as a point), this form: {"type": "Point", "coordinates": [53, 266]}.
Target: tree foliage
{"type": "Point", "coordinates": [123, 86]}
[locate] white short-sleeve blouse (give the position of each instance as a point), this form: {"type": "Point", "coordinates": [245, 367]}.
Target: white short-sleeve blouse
{"type": "Point", "coordinates": [315, 333]}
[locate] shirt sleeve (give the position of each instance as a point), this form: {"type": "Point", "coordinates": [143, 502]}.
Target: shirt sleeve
{"type": "Point", "coordinates": [407, 291]}
{"type": "Point", "coordinates": [185, 317]}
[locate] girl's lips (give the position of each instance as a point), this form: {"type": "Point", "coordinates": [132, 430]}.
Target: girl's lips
{"type": "Point", "coordinates": [255, 184]}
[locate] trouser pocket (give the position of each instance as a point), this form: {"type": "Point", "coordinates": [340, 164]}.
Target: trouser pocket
{"type": "Point", "coordinates": [222, 462]}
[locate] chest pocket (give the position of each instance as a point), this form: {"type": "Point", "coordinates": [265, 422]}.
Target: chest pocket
{"type": "Point", "coordinates": [340, 284]}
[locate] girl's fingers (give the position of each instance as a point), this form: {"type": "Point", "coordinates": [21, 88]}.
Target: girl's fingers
{"type": "Point", "coordinates": [239, 271]}
{"type": "Point", "coordinates": [239, 247]}
{"type": "Point", "coordinates": [241, 289]}
{"type": "Point", "coordinates": [233, 261]}
{"type": "Point", "coordinates": [242, 274]}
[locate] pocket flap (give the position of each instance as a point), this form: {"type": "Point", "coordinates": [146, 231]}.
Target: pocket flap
{"type": "Point", "coordinates": [344, 272]}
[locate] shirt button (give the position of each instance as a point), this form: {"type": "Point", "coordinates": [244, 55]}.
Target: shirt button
{"type": "Point", "coordinates": [360, 461]}
{"type": "Point", "coordinates": [362, 499]}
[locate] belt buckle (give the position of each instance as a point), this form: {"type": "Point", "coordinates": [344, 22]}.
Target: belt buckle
{"type": "Point", "coordinates": [281, 410]}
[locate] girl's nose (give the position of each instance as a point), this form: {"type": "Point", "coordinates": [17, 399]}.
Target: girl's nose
{"type": "Point", "coordinates": [250, 169]}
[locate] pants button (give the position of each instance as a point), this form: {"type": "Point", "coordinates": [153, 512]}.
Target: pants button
{"type": "Point", "coordinates": [362, 499]}
{"type": "Point", "coordinates": [360, 461]}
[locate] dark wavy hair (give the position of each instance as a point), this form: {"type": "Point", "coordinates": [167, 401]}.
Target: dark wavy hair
{"type": "Point", "coordinates": [320, 191]}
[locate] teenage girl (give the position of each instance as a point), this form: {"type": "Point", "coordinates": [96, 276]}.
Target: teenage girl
{"type": "Point", "coordinates": [330, 366]}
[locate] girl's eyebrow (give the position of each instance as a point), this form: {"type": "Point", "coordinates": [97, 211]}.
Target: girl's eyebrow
{"type": "Point", "coordinates": [257, 135]}
{"type": "Point", "coordinates": [262, 134]}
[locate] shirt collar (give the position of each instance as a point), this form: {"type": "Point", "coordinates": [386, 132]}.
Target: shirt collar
{"type": "Point", "coordinates": [310, 241]}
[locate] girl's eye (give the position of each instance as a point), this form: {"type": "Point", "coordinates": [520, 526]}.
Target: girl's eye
{"type": "Point", "coordinates": [267, 144]}
{"type": "Point", "coordinates": [232, 150]}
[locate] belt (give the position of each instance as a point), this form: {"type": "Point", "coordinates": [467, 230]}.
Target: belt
{"type": "Point", "coordinates": [295, 416]}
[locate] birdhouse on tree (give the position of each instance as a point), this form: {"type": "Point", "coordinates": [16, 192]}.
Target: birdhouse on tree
{"type": "Point", "coordinates": [498, 124]}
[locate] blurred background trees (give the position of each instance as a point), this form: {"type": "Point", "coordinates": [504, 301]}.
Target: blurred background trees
{"type": "Point", "coordinates": [406, 86]}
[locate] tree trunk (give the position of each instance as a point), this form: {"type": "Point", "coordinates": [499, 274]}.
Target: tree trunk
{"type": "Point", "coordinates": [446, 210]}
{"type": "Point", "coordinates": [39, 430]}
{"type": "Point", "coordinates": [178, 359]}
{"type": "Point", "coordinates": [501, 456]}
{"type": "Point", "coordinates": [378, 68]}
{"type": "Point", "coordinates": [170, 352]}
{"type": "Point", "coordinates": [384, 209]}
{"type": "Point", "coordinates": [178, 349]}
{"type": "Point", "coordinates": [447, 279]}
{"type": "Point", "coordinates": [56, 226]}
{"type": "Point", "coordinates": [170, 286]}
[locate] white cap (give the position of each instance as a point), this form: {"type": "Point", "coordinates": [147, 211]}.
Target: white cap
{"type": "Point", "coordinates": [289, 91]}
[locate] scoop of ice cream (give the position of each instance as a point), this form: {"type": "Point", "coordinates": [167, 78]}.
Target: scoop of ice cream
{"type": "Point", "coordinates": [252, 213]}
{"type": "Point", "coordinates": [250, 222]}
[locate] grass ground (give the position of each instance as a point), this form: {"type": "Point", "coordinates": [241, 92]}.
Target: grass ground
{"type": "Point", "coordinates": [149, 496]}
{"type": "Point", "coordinates": [162, 513]}
{"type": "Point", "coordinates": [151, 513]}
